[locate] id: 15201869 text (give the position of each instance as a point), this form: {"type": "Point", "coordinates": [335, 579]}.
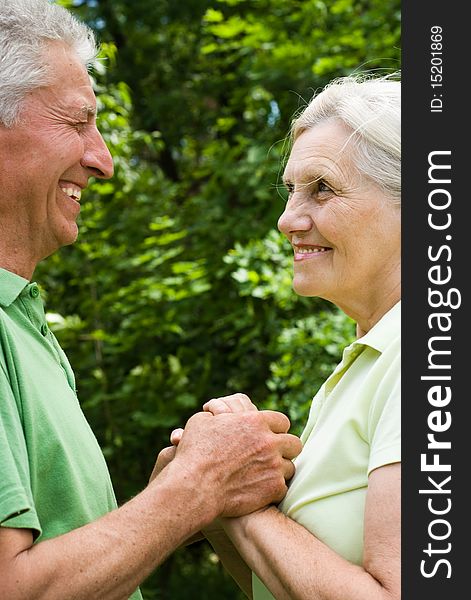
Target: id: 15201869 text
{"type": "Point", "coordinates": [436, 68]}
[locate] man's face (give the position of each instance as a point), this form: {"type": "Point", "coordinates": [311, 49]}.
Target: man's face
{"type": "Point", "coordinates": [47, 159]}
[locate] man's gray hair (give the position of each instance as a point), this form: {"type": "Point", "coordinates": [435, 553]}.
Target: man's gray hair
{"type": "Point", "coordinates": [370, 107]}
{"type": "Point", "coordinates": [26, 27]}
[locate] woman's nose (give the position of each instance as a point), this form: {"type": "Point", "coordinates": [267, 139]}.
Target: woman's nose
{"type": "Point", "coordinates": [293, 219]}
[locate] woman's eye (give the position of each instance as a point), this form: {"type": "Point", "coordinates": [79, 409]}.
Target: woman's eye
{"type": "Point", "coordinates": [289, 188]}
{"type": "Point", "coordinates": [323, 187]}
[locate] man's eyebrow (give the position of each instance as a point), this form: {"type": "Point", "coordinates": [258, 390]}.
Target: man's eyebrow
{"type": "Point", "coordinates": [86, 111]}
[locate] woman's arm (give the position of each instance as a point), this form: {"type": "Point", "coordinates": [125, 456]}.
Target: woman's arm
{"type": "Point", "coordinates": [231, 559]}
{"type": "Point", "coordinates": [295, 565]}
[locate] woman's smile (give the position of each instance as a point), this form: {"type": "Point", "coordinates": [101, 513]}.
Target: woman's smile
{"type": "Point", "coordinates": [305, 252]}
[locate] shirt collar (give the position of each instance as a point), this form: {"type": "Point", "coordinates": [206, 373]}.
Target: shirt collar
{"type": "Point", "coordinates": [383, 333]}
{"type": "Point", "coordinates": [11, 286]}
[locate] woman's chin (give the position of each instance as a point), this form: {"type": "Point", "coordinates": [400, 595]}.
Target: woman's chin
{"type": "Point", "coordinates": [304, 288]}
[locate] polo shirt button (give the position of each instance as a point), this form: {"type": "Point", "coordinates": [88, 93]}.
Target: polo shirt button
{"type": "Point", "coordinates": [34, 291]}
{"type": "Point", "coordinates": [44, 329]}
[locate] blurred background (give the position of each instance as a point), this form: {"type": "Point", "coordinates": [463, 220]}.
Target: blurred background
{"type": "Point", "coordinates": [179, 286]}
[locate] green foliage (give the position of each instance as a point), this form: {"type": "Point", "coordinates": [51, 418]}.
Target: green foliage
{"type": "Point", "coordinates": [179, 287]}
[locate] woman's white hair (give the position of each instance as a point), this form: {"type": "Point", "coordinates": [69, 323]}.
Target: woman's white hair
{"type": "Point", "coordinates": [370, 107]}
{"type": "Point", "coordinates": [26, 26]}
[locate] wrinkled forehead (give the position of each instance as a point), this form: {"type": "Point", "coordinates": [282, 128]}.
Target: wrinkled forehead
{"type": "Point", "coordinates": [327, 146]}
{"type": "Point", "coordinates": [60, 100]}
{"type": "Point", "coordinates": [68, 88]}
{"type": "Point", "coordinates": [63, 65]}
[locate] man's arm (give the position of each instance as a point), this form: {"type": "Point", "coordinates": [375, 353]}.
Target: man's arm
{"type": "Point", "coordinates": [106, 559]}
{"type": "Point", "coordinates": [225, 465]}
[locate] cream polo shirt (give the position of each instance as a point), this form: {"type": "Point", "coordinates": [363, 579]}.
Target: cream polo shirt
{"type": "Point", "coordinates": [354, 426]}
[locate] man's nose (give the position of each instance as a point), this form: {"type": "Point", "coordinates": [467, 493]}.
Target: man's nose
{"type": "Point", "coordinates": [96, 157]}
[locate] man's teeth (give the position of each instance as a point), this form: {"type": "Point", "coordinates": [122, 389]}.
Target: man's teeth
{"type": "Point", "coordinates": [310, 250]}
{"type": "Point", "coordinates": [74, 193]}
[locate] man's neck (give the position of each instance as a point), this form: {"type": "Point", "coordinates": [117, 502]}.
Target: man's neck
{"type": "Point", "coordinates": [15, 265]}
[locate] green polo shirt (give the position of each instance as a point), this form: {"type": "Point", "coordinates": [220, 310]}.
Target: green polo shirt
{"type": "Point", "coordinates": [354, 426]}
{"type": "Point", "coordinates": [53, 474]}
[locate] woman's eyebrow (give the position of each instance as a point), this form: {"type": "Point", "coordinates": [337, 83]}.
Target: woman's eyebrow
{"type": "Point", "coordinates": [307, 176]}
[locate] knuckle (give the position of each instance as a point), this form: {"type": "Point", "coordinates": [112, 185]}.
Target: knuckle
{"type": "Point", "coordinates": [229, 398]}
{"type": "Point", "coordinates": [251, 420]}
{"type": "Point", "coordinates": [193, 419]}
{"type": "Point", "coordinates": [271, 447]}
{"type": "Point", "coordinates": [219, 405]}
{"type": "Point", "coordinates": [260, 418]}
{"type": "Point", "coordinates": [277, 463]}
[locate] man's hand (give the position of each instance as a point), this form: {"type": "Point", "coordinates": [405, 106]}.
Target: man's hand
{"type": "Point", "coordinates": [243, 459]}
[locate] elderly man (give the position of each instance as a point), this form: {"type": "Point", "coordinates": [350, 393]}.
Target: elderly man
{"type": "Point", "coordinates": [62, 535]}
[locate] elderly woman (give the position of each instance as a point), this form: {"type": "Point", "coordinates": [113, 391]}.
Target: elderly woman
{"type": "Point", "coordinates": [336, 535]}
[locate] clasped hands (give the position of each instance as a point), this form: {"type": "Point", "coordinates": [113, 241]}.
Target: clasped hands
{"type": "Point", "coordinates": [245, 453]}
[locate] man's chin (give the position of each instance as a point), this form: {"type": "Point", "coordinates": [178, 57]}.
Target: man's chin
{"type": "Point", "coordinates": [72, 238]}
{"type": "Point", "coordinates": [65, 237]}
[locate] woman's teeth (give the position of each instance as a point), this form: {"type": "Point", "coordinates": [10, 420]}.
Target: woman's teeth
{"type": "Point", "coordinates": [310, 250]}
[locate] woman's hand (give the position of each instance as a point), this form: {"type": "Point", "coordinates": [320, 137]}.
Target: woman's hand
{"type": "Point", "coordinates": [167, 454]}
{"type": "Point", "coordinates": [226, 404]}
{"type": "Point", "coordinates": [163, 459]}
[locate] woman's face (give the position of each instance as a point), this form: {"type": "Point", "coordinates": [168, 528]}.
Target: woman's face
{"type": "Point", "coordinates": [344, 230]}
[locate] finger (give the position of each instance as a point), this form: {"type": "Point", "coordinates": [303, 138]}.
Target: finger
{"type": "Point", "coordinates": [278, 422]}
{"type": "Point", "coordinates": [217, 406]}
{"type": "Point", "coordinates": [288, 469]}
{"type": "Point", "coordinates": [246, 402]}
{"type": "Point", "coordinates": [176, 436]}
{"type": "Point", "coordinates": [290, 445]}
{"type": "Point", "coordinates": [241, 401]}
{"type": "Point", "coordinates": [279, 497]}
{"type": "Point", "coordinates": [232, 403]}
{"type": "Point", "coordinates": [165, 457]}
